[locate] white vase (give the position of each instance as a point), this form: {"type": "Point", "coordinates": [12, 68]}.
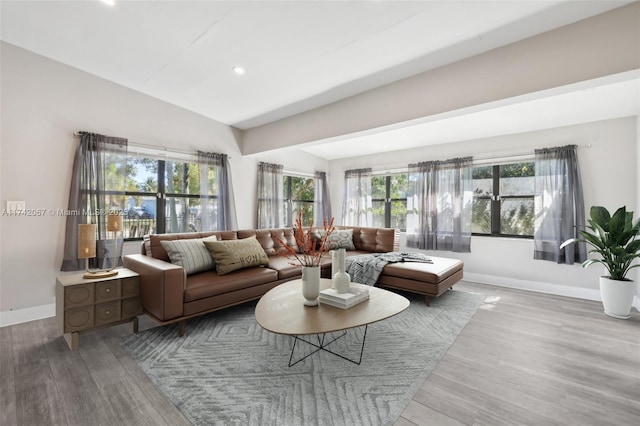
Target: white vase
{"type": "Point", "coordinates": [334, 265]}
{"type": "Point", "coordinates": [310, 285]}
{"type": "Point", "coordinates": [341, 279]}
{"type": "Point", "coordinates": [617, 297]}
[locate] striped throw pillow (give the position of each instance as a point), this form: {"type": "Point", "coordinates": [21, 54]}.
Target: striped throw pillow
{"type": "Point", "coordinates": [191, 254]}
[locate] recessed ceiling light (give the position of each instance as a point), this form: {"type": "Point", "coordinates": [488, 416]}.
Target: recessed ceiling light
{"type": "Point", "coordinates": [238, 70]}
{"type": "Point", "coordinates": [109, 2]}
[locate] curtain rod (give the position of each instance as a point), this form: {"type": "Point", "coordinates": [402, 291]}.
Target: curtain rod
{"type": "Point", "coordinates": [514, 155]}
{"type": "Point", "coordinates": [136, 144]}
{"type": "Point", "coordinates": [476, 160]}
{"type": "Point", "coordinates": [298, 173]}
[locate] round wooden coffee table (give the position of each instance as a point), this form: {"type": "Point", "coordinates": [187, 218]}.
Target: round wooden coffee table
{"type": "Point", "coordinates": [281, 310]}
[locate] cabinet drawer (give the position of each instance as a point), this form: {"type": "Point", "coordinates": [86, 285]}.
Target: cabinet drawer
{"type": "Point", "coordinates": [78, 295]}
{"type": "Point", "coordinates": [77, 319]}
{"type": "Point", "coordinates": [130, 287]}
{"type": "Point", "coordinates": [107, 312]}
{"type": "Point", "coordinates": [107, 290]}
{"type": "Point", "coordinates": [131, 307]}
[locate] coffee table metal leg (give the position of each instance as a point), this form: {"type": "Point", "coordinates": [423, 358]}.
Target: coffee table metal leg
{"type": "Point", "coordinates": [322, 346]}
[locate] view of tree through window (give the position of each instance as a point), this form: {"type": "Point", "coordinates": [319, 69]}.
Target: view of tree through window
{"type": "Point", "coordinates": [298, 197]}
{"type": "Point", "coordinates": [389, 201]}
{"type": "Point", "coordinates": [503, 199]}
{"type": "Point", "coordinates": [163, 196]}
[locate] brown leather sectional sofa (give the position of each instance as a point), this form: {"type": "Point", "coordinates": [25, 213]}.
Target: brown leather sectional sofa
{"type": "Point", "coordinates": [169, 295]}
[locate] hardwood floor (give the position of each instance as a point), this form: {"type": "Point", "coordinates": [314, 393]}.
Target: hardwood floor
{"type": "Point", "coordinates": [533, 359]}
{"type": "Point", "coordinates": [523, 359]}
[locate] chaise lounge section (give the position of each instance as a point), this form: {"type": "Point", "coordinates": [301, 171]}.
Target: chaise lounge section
{"type": "Point", "coordinates": [169, 294]}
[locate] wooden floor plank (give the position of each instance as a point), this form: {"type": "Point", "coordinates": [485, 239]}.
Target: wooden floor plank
{"type": "Point", "coordinates": [8, 413]}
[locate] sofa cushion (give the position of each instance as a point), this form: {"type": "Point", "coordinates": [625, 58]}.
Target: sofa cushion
{"type": "Point", "coordinates": [284, 266]}
{"type": "Point", "coordinates": [270, 239]}
{"type": "Point", "coordinates": [237, 254]}
{"type": "Point", "coordinates": [209, 284]}
{"type": "Point", "coordinates": [191, 254]}
{"type": "Point", "coordinates": [376, 240]}
{"type": "Point", "coordinates": [435, 272]}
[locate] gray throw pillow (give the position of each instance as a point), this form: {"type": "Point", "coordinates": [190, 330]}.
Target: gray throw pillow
{"type": "Point", "coordinates": [191, 254]}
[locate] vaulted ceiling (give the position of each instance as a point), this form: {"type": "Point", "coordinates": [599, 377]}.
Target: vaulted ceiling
{"type": "Point", "coordinates": [296, 56]}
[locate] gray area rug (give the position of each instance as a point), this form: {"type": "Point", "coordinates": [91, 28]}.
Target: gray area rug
{"type": "Point", "coordinates": [227, 370]}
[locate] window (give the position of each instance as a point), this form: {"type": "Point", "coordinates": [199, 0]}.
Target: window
{"type": "Point", "coordinates": [163, 196]}
{"type": "Point", "coordinates": [503, 200]}
{"type": "Point", "coordinates": [299, 195]}
{"type": "Point", "coordinates": [389, 201]}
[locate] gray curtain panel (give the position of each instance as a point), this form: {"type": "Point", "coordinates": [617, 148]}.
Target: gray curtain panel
{"type": "Point", "coordinates": [98, 183]}
{"type": "Point", "coordinates": [322, 203]}
{"type": "Point", "coordinates": [217, 203]}
{"type": "Point", "coordinates": [559, 205]}
{"type": "Point", "coordinates": [357, 205]}
{"type": "Point", "coordinates": [439, 205]}
{"type": "Point", "coordinates": [270, 196]}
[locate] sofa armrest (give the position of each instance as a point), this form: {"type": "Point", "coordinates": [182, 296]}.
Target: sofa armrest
{"type": "Point", "coordinates": [162, 285]}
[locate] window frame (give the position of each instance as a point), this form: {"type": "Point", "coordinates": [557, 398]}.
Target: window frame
{"type": "Point", "coordinates": [160, 219]}
{"type": "Point", "coordinates": [388, 201]}
{"type": "Point", "coordinates": [496, 199]}
{"type": "Point", "coordinates": [289, 201]}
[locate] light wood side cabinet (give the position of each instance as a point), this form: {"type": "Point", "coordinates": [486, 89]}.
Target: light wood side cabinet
{"type": "Point", "coordinates": [87, 304]}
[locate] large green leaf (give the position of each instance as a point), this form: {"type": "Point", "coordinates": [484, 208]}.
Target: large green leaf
{"type": "Point", "coordinates": [616, 225]}
{"type": "Point", "coordinates": [601, 216]}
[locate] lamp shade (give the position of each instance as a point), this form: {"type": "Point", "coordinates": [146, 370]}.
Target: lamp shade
{"type": "Point", "coordinates": [86, 241]}
{"type": "Point", "coordinates": [114, 222]}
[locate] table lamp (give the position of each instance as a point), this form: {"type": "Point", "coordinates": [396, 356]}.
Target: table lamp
{"type": "Point", "coordinates": [87, 250]}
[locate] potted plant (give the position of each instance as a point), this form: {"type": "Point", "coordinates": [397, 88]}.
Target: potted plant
{"type": "Point", "coordinates": [615, 238]}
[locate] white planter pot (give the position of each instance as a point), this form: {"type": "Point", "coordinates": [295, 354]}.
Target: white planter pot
{"type": "Point", "coordinates": [617, 297]}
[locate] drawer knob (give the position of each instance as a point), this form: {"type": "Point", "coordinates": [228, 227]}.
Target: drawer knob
{"type": "Point", "coordinates": [107, 312]}
{"type": "Point", "coordinates": [108, 290]}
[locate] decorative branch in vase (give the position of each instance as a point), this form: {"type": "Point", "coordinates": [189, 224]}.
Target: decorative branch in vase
{"type": "Point", "coordinates": [310, 246]}
{"type": "Point", "coordinates": [307, 252]}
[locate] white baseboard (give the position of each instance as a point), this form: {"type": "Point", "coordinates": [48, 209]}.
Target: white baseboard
{"type": "Point", "coordinates": [18, 316]}
{"type": "Point", "coordinates": [540, 287]}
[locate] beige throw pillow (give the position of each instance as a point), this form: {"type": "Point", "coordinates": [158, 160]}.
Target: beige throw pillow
{"type": "Point", "coordinates": [191, 254]}
{"type": "Point", "coordinates": [231, 255]}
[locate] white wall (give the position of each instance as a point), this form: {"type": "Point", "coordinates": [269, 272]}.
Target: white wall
{"type": "Point", "coordinates": [506, 261]}
{"type": "Point", "coordinates": [43, 103]}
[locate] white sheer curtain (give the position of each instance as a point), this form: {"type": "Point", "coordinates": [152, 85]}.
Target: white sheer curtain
{"type": "Point", "coordinates": [217, 203]}
{"type": "Point", "coordinates": [321, 202]}
{"type": "Point", "coordinates": [270, 196]}
{"type": "Point", "coordinates": [357, 205]}
{"type": "Point", "coordinates": [97, 186]}
{"type": "Point", "coordinates": [439, 204]}
{"type": "Point", "coordinates": [559, 205]}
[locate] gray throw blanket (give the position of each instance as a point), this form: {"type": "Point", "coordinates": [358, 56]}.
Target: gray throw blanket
{"type": "Point", "coordinates": [366, 268]}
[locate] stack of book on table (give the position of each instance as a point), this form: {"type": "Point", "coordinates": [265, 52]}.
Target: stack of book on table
{"type": "Point", "coordinates": [357, 293]}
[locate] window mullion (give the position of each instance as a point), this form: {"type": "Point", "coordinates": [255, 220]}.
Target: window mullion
{"type": "Point", "coordinates": [495, 202]}
{"type": "Point", "coordinates": [387, 202]}
{"type": "Point", "coordinates": [161, 199]}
